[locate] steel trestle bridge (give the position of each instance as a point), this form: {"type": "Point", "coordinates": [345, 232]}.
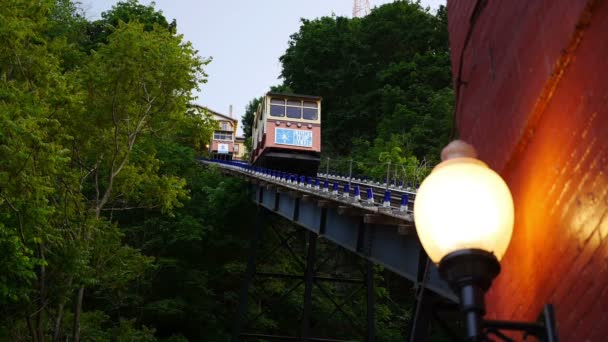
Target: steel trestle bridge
{"type": "Point", "coordinates": [372, 219]}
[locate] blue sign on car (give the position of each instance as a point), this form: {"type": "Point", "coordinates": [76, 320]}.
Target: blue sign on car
{"type": "Point", "coordinates": [293, 137]}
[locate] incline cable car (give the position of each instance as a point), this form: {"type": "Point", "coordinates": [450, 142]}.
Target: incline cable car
{"type": "Point", "coordinates": [286, 133]}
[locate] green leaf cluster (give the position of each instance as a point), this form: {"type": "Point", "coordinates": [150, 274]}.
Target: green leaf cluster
{"type": "Point", "coordinates": [381, 76]}
{"type": "Point", "coordinates": [109, 228]}
{"type": "Point", "coordinates": [86, 112]}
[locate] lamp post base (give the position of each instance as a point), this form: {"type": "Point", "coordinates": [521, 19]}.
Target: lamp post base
{"type": "Point", "coordinates": [470, 273]}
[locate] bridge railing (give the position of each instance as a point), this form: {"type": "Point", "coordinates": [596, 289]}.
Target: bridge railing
{"type": "Point", "coordinates": [394, 197]}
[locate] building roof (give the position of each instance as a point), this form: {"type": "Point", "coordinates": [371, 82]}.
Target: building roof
{"type": "Point", "coordinates": [214, 112]}
{"type": "Point", "coordinates": [312, 97]}
{"type": "Point", "coordinates": [223, 116]}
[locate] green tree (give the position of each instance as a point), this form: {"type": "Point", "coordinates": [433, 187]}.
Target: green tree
{"type": "Point", "coordinates": [249, 116]}
{"type": "Point", "coordinates": [136, 88]}
{"type": "Point", "coordinates": [38, 201]}
{"type": "Point", "coordinates": [126, 12]}
{"type": "Point", "coordinates": [200, 251]}
{"type": "Point", "coordinates": [387, 73]}
{"type": "Point", "coordinates": [110, 229]}
{"type": "Point", "coordinates": [78, 143]}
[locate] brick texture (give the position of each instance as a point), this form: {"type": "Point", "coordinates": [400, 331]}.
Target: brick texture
{"type": "Point", "coordinates": [535, 104]}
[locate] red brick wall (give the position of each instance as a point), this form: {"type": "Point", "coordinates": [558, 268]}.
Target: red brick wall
{"type": "Point", "coordinates": [535, 104]}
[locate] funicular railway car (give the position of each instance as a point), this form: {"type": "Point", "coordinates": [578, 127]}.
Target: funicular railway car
{"type": "Point", "coordinates": [286, 133]}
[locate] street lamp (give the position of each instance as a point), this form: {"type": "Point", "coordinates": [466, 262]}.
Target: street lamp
{"type": "Point", "coordinates": [464, 219]}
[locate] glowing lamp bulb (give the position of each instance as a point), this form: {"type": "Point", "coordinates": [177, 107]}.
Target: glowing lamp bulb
{"type": "Point", "coordinates": [463, 204]}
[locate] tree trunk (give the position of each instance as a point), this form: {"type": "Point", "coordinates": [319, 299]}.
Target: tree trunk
{"type": "Point", "coordinates": [59, 318]}
{"type": "Point", "coordinates": [100, 203]}
{"type": "Point", "coordinates": [31, 328]}
{"type": "Point", "coordinates": [42, 301]}
{"type": "Point", "coordinates": [77, 311]}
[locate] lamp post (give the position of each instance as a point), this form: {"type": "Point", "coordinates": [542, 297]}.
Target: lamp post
{"type": "Point", "coordinates": [464, 220]}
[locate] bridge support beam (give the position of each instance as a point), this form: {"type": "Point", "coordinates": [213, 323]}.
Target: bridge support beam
{"type": "Point", "coordinates": [250, 273]}
{"type": "Point", "coordinates": [380, 236]}
{"type": "Point", "coordinates": [310, 281]}
{"type": "Point", "coordinates": [423, 304]}
{"type": "Point", "coordinates": [371, 301]}
{"type": "Point", "coordinates": [309, 278]}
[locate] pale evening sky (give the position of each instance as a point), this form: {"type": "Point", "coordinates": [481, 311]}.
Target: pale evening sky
{"type": "Point", "coordinates": [244, 37]}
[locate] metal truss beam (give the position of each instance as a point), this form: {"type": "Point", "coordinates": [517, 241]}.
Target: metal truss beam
{"type": "Point", "coordinates": [309, 279]}
{"type": "Point", "coordinates": [291, 338]}
{"type": "Point", "coordinates": [315, 278]}
{"type": "Point", "coordinates": [251, 266]}
{"type": "Point", "coordinates": [423, 304]}
{"type": "Point", "coordinates": [381, 240]}
{"type": "Point", "coordinates": [377, 236]}
{"type": "Point", "coordinates": [371, 301]}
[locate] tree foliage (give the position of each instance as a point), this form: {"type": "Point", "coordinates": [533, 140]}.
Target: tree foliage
{"type": "Point", "coordinates": [109, 228]}
{"type": "Point", "coordinates": [79, 142]}
{"type": "Point", "coordinates": [126, 12]}
{"type": "Point", "coordinates": [382, 75]}
{"type": "Point", "coordinates": [249, 116]}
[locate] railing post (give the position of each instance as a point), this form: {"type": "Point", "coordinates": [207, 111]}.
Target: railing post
{"type": "Point", "coordinates": [388, 173]}
{"type": "Point", "coordinates": [395, 174]}
{"type": "Point", "coordinates": [350, 173]}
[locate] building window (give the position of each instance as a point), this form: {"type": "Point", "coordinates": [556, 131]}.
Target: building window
{"type": "Point", "coordinates": [310, 113]}
{"type": "Point", "coordinates": [311, 110]}
{"type": "Point", "coordinates": [236, 148]}
{"type": "Point", "coordinates": [222, 136]}
{"type": "Point", "coordinates": [277, 107]}
{"type": "Point", "coordinates": [294, 109]}
{"type": "Point", "coordinates": [225, 126]}
{"type": "Point", "coordinates": [294, 112]}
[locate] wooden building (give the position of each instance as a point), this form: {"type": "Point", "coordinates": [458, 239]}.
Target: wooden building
{"type": "Point", "coordinates": [222, 144]}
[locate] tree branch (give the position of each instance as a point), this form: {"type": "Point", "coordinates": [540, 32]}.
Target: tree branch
{"type": "Point", "coordinates": [19, 217]}
{"type": "Point", "coordinates": [131, 208]}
